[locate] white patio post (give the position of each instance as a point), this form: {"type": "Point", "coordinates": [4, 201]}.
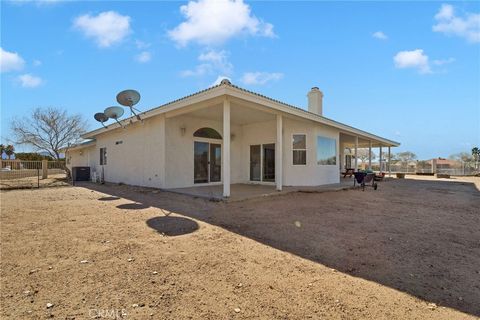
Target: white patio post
{"type": "Point", "coordinates": [389, 159]}
{"type": "Point", "coordinates": [341, 156]}
{"type": "Point", "coordinates": [370, 155]}
{"type": "Point", "coordinates": [226, 148]}
{"type": "Point", "coordinates": [163, 150]}
{"type": "Point", "coordinates": [356, 153]}
{"type": "Point", "coordinates": [380, 161]}
{"type": "Point", "coordinates": [279, 154]}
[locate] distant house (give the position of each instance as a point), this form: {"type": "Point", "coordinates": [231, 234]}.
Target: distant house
{"type": "Point", "coordinates": [443, 163]}
{"type": "Point", "coordinates": [224, 135]}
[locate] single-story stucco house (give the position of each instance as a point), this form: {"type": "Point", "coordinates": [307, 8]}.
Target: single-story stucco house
{"type": "Point", "coordinates": [225, 135]}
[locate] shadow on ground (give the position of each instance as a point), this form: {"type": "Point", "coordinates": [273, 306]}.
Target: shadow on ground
{"type": "Point", "coordinates": [132, 206]}
{"type": "Point", "coordinates": [109, 198]}
{"type": "Point", "coordinates": [419, 237]}
{"type": "Point", "coordinates": [172, 226]}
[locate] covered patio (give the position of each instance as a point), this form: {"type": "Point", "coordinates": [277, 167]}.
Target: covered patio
{"type": "Point", "coordinates": [224, 144]}
{"type": "Point", "coordinates": [243, 145]}
{"type": "Point", "coordinates": [245, 191]}
{"type": "Point", "coordinates": [352, 147]}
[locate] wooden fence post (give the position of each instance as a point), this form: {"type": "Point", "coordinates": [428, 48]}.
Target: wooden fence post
{"type": "Point", "coordinates": [44, 169]}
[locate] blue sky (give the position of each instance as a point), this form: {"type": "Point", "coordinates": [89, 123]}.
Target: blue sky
{"type": "Point", "coordinates": [408, 71]}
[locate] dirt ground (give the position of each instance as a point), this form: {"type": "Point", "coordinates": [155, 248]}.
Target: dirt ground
{"type": "Point", "coordinates": [410, 250]}
{"type": "Point", "coordinates": [53, 180]}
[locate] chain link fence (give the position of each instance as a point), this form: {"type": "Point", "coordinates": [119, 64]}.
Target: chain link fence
{"type": "Point", "coordinates": [458, 168]}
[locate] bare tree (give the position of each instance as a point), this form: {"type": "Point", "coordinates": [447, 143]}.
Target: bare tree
{"type": "Point", "coordinates": [49, 130]}
{"type": "Point", "coordinates": [406, 158]}
{"type": "Point", "coordinates": [462, 156]}
{"type": "Point", "coordinates": [363, 155]}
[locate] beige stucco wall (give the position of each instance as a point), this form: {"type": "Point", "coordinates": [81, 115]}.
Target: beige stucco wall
{"type": "Point", "coordinates": [179, 169]}
{"type": "Point", "coordinates": [310, 174]}
{"type": "Point", "coordinates": [81, 158]}
{"type": "Point", "coordinates": [143, 159]}
{"type": "Point", "coordinates": [139, 159]}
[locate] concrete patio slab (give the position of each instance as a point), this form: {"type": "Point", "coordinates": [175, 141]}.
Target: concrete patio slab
{"type": "Point", "coordinates": [244, 191]}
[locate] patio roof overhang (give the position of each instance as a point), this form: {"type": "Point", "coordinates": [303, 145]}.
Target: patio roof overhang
{"type": "Point", "coordinates": [348, 140]}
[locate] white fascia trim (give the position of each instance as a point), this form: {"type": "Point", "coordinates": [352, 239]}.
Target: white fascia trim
{"type": "Point", "coordinates": [308, 115]}
{"type": "Point", "coordinates": [83, 146]}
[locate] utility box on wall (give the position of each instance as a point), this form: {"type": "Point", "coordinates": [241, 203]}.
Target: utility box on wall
{"type": "Point", "coordinates": [81, 173]}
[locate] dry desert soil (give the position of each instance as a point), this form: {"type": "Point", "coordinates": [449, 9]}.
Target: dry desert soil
{"type": "Point", "coordinates": [410, 250]}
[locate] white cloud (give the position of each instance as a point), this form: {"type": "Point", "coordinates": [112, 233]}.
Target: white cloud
{"type": "Point", "coordinates": [380, 35]}
{"type": "Point", "coordinates": [199, 70]}
{"type": "Point", "coordinates": [412, 59]}
{"type": "Point", "coordinates": [141, 45]}
{"type": "Point", "coordinates": [143, 57]}
{"type": "Point", "coordinates": [445, 12]}
{"type": "Point", "coordinates": [219, 79]}
{"type": "Point", "coordinates": [211, 62]}
{"type": "Point", "coordinates": [441, 62]}
{"type": "Point", "coordinates": [260, 78]}
{"type": "Point", "coordinates": [37, 63]}
{"type": "Point", "coordinates": [30, 81]}
{"type": "Point", "coordinates": [218, 59]}
{"type": "Point", "coordinates": [449, 23]}
{"type": "Point", "coordinates": [215, 21]}
{"type": "Point", "coordinates": [107, 28]}
{"type": "Point", "coordinates": [10, 61]}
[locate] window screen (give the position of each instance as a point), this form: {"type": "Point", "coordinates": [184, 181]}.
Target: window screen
{"type": "Point", "coordinates": [103, 156]}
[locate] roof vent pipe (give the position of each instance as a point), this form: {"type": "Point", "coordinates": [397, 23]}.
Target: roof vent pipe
{"type": "Point", "coordinates": [315, 101]}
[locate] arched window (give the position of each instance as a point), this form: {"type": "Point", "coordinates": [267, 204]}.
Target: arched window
{"type": "Point", "coordinates": [207, 133]}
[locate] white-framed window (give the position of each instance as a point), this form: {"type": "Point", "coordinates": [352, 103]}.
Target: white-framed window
{"type": "Point", "coordinates": [326, 151]}
{"type": "Point", "coordinates": [299, 149]}
{"type": "Point", "coordinates": [103, 156]}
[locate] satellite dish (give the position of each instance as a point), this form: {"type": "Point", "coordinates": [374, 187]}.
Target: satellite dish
{"type": "Point", "coordinates": [101, 117]}
{"type": "Point", "coordinates": [129, 98]}
{"type": "Point", "coordinates": [114, 113]}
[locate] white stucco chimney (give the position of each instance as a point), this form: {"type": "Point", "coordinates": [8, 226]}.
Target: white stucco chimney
{"type": "Point", "coordinates": [315, 101]}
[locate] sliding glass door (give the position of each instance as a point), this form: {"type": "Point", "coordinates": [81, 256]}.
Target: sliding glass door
{"type": "Point", "coordinates": [215, 162]}
{"type": "Point", "coordinates": [262, 162]}
{"type": "Point", "coordinates": [207, 162]}
{"type": "Point", "coordinates": [255, 163]}
{"type": "Point", "coordinates": [269, 162]}
{"type": "Point", "coordinates": [200, 162]}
